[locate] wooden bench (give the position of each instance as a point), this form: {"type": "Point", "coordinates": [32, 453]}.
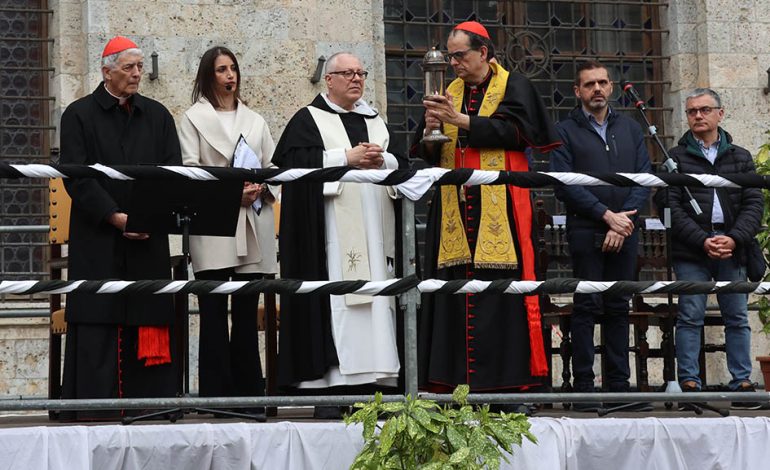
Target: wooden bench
{"type": "Point", "coordinates": [553, 254]}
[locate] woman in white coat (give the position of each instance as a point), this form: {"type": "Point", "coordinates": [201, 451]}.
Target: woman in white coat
{"type": "Point", "coordinates": [228, 362]}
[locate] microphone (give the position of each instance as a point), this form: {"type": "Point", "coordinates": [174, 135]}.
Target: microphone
{"type": "Point", "coordinates": [229, 87]}
{"type": "Point", "coordinates": [669, 164]}
{"type": "Point", "coordinates": [632, 94]}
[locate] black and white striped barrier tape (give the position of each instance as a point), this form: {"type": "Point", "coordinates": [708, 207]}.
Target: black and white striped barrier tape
{"type": "Point", "coordinates": [412, 183]}
{"type": "Point", "coordinates": [384, 288]}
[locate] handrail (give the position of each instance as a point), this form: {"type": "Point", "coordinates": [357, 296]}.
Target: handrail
{"type": "Point", "coordinates": [19, 404]}
{"type": "Point", "coordinates": [24, 228]}
{"type": "Point", "coordinates": [410, 367]}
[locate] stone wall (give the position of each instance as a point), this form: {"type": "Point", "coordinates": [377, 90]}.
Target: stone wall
{"type": "Point", "coordinates": [24, 357]}
{"type": "Point", "coordinates": [724, 45]}
{"type": "Point", "coordinates": [277, 42]}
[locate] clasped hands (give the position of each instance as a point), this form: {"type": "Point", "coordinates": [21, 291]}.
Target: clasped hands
{"type": "Point", "coordinates": [365, 156]}
{"type": "Point", "coordinates": [719, 247]}
{"type": "Point", "coordinates": [620, 227]}
{"type": "Point", "coordinates": [439, 109]}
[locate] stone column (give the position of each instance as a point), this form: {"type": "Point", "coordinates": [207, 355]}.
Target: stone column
{"type": "Point", "coordinates": [724, 45]}
{"type": "Point", "coordinates": [66, 56]}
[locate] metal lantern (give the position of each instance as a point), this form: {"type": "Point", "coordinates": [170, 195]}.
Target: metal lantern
{"type": "Point", "coordinates": [434, 66]}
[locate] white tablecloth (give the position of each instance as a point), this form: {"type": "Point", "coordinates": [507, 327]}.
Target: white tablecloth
{"type": "Point", "coordinates": [601, 444]}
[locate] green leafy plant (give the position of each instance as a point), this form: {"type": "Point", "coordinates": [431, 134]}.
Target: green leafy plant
{"type": "Point", "coordinates": [420, 434]}
{"type": "Point", "coordinates": [763, 168]}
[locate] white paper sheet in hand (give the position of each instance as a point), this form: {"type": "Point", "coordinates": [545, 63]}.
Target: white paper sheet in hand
{"type": "Point", "coordinates": [245, 157]}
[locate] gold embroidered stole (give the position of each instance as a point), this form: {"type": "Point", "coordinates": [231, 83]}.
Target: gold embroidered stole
{"type": "Point", "coordinates": [494, 245]}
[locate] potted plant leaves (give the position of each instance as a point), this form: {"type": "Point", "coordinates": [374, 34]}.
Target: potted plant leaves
{"type": "Point", "coordinates": [420, 434]}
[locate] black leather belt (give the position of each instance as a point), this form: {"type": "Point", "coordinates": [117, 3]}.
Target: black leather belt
{"type": "Point", "coordinates": [717, 227]}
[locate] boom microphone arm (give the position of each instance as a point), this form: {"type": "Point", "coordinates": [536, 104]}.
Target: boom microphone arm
{"type": "Point", "coordinates": [669, 163]}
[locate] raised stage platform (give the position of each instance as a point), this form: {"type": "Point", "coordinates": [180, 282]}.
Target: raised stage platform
{"type": "Point", "coordinates": [620, 443]}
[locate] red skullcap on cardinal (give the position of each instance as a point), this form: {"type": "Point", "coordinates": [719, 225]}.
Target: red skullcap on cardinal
{"type": "Point", "coordinates": [118, 44]}
{"type": "Point", "coordinates": [473, 27]}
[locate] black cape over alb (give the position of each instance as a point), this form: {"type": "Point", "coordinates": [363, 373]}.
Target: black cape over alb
{"type": "Point", "coordinates": [306, 348]}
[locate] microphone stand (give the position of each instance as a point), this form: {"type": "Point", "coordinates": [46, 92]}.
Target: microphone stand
{"type": "Point", "coordinates": [670, 165]}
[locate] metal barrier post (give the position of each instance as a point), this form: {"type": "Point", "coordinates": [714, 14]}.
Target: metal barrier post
{"type": "Point", "coordinates": [409, 301]}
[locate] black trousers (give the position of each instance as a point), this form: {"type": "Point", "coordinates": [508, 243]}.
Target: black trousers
{"type": "Point", "coordinates": [590, 263]}
{"type": "Point", "coordinates": [228, 359]}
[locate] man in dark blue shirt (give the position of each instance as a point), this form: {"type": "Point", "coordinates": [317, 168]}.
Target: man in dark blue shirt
{"type": "Point", "coordinates": [601, 228]}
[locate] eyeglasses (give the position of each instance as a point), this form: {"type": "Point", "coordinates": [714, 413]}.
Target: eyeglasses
{"type": "Point", "coordinates": [458, 56]}
{"type": "Point", "coordinates": [349, 74]}
{"type": "Point", "coordinates": [704, 110]}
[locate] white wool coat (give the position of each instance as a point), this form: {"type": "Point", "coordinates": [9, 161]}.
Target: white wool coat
{"type": "Point", "coordinates": [206, 142]}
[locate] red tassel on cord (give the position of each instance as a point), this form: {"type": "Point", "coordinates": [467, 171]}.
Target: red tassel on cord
{"type": "Point", "coordinates": [154, 345]}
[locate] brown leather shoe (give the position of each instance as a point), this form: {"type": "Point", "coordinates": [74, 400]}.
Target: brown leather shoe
{"type": "Point", "coordinates": [689, 386]}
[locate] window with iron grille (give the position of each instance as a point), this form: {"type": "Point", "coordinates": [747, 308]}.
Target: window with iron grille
{"type": "Point", "coordinates": [542, 39]}
{"type": "Point", "coordinates": [24, 134]}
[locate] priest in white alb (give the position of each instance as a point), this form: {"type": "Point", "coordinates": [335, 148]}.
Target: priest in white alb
{"type": "Point", "coordinates": [332, 344]}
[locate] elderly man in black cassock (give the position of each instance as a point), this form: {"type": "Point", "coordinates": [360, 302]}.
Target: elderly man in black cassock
{"type": "Point", "coordinates": [117, 346]}
{"type": "Point", "coordinates": [337, 231]}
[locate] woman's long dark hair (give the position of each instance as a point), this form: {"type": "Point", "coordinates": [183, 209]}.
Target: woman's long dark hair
{"type": "Point", "coordinates": [204, 80]}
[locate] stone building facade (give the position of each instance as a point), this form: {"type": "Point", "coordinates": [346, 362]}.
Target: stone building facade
{"type": "Point", "coordinates": [723, 44]}
{"type": "Point", "coordinates": [277, 42]}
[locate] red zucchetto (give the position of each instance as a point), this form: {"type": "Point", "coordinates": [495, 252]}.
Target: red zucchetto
{"type": "Point", "coordinates": [473, 27]}
{"type": "Point", "coordinates": [118, 44]}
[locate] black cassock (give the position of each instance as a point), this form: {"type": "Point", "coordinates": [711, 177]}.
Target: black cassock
{"type": "Point", "coordinates": [482, 340]}
{"type": "Point", "coordinates": [306, 348]}
{"type": "Point", "coordinates": [101, 357]}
